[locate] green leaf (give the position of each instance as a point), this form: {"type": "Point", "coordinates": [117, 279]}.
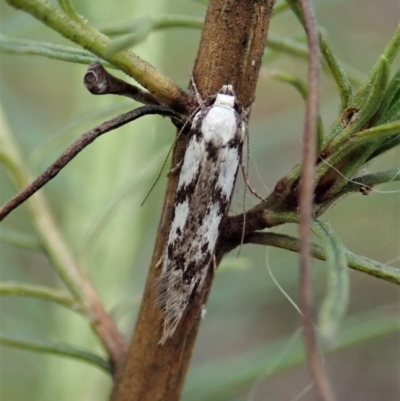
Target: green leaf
{"type": "Point", "coordinates": [393, 48]}
{"type": "Point", "coordinates": [366, 181]}
{"type": "Point", "coordinates": [57, 52]}
{"type": "Point", "coordinates": [338, 73]}
{"type": "Point", "coordinates": [169, 21]}
{"type": "Point", "coordinates": [364, 104]}
{"type": "Point", "coordinates": [290, 79]}
{"type": "Point", "coordinates": [390, 143]}
{"type": "Point", "coordinates": [41, 292]}
{"type": "Point", "coordinates": [301, 87]}
{"type": "Point", "coordinates": [334, 306]}
{"type": "Point", "coordinates": [69, 9]}
{"type": "Point", "coordinates": [393, 112]}
{"type": "Point", "coordinates": [373, 134]}
{"type": "Point", "coordinates": [55, 348]}
{"type": "Point", "coordinates": [139, 32]}
{"type": "Point", "coordinates": [392, 96]}
{"type": "Point", "coordinates": [21, 240]}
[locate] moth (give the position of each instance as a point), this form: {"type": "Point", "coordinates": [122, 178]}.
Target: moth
{"type": "Point", "coordinates": [203, 195]}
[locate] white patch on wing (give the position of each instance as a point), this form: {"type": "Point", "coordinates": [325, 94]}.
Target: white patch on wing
{"type": "Point", "coordinates": [181, 214]}
{"type": "Point", "coordinates": [208, 231]}
{"type": "Point", "coordinates": [193, 157]}
{"type": "Point", "coordinates": [227, 170]}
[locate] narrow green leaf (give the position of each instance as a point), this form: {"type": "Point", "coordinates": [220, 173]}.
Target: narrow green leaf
{"type": "Point", "coordinates": [338, 73]}
{"type": "Point", "coordinates": [91, 39]}
{"type": "Point", "coordinates": [41, 292]}
{"type": "Point", "coordinates": [334, 306]}
{"type": "Point", "coordinates": [55, 348]}
{"type": "Point", "coordinates": [393, 48]}
{"type": "Point", "coordinates": [57, 52]}
{"type": "Point", "coordinates": [393, 112]}
{"type": "Point", "coordinates": [365, 103]}
{"type": "Point", "coordinates": [358, 150]}
{"type": "Point", "coordinates": [301, 87]}
{"type": "Point", "coordinates": [169, 21]}
{"type": "Point", "coordinates": [279, 7]}
{"type": "Point", "coordinates": [290, 79]}
{"type": "Point", "coordinates": [294, 5]}
{"type": "Point", "coordinates": [392, 95]}
{"type": "Point", "coordinates": [390, 143]}
{"type": "Point", "coordinates": [139, 32]}
{"type": "Point", "coordinates": [21, 240]}
{"type": "Point", "coordinates": [286, 45]}
{"type": "Point", "coordinates": [366, 181]}
{"type": "Point", "coordinates": [69, 9]}
{"type": "Point", "coordinates": [373, 134]}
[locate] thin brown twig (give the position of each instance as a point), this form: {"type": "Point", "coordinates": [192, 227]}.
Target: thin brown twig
{"type": "Point", "coordinates": [99, 81]}
{"type": "Point", "coordinates": [306, 194]}
{"type": "Point", "coordinates": [86, 139]}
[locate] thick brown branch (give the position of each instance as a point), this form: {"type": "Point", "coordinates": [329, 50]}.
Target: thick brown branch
{"type": "Point", "coordinates": [230, 52]}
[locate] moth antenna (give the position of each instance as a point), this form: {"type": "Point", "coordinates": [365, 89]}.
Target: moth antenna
{"type": "Point", "coordinates": [199, 99]}
{"type": "Point", "coordinates": [166, 158]}
{"type": "Point", "coordinates": [161, 170]}
{"type": "Point", "coordinates": [245, 171]}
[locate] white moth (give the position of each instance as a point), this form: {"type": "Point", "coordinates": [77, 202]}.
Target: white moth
{"type": "Point", "coordinates": [202, 199]}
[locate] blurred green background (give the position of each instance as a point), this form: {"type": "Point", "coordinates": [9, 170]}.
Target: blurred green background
{"type": "Point", "coordinates": [248, 330]}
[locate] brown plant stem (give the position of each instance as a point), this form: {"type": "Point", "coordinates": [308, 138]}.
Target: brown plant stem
{"type": "Point", "coordinates": [230, 51]}
{"type": "Point", "coordinates": [306, 195]}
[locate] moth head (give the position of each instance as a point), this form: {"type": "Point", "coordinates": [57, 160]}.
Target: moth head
{"type": "Point", "coordinates": [226, 97]}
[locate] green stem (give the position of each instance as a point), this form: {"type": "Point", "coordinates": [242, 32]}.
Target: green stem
{"type": "Point", "coordinates": [359, 263]}
{"type": "Point", "coordinates": [367, 181]}
{"type": "Point", "coordinates": [97, 43]}
{"type": "Point", "coordinates": [55, 349]}
{"type": "Point", "coordinates": [21, 240]}
{"type": "Point", "coordinates": [60, 255]}
{"type": "Point", "coordinates": [40, 292]}
{"type": "Point", "coordinates": [334, 305]}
